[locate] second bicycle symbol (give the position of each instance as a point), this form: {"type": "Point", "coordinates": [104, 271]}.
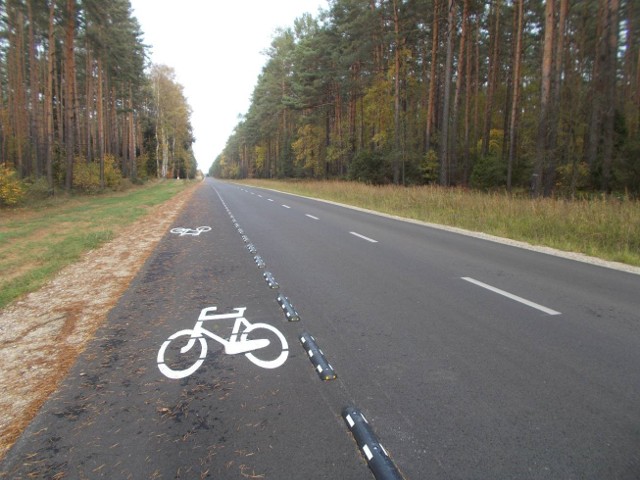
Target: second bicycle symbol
{"type": "Point", "coordinates": [189, 347]}
{"type": "Point", "coordinates": [194, 232]}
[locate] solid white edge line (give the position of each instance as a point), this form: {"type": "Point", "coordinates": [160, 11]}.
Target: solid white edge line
{"type": "Point", "coordinates": [512, 296]}
{"type": "Point", "coordinates": [363, 237]}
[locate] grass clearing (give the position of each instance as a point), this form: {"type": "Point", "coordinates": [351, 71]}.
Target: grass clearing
{"type": "Point", "coordinates": [38, 240]}
{"type": "Point", "coordinates": [605, 227]}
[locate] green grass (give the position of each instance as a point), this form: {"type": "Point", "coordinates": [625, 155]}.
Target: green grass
{"type": "Point", "coordinates": [38, 240]}
{"type": "Point", "coordinates": [605, 227]}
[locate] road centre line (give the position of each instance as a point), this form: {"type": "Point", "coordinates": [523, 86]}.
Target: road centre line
{"type": "Point", "coordinates": [363, 237]}
{"type": "Point", "coordinates": [311, 216]}
{"type": "Point", "coordinates": [512, 296]}
{"type": "Point", "coordinates": [286, 206]}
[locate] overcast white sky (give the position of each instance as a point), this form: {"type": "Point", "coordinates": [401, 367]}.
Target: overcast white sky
{"type": "Point", "coordinates": [215, 48]}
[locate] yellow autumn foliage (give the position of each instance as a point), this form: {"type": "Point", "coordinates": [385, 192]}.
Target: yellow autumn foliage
{"type": "Point", "coordinates": [11, 188]}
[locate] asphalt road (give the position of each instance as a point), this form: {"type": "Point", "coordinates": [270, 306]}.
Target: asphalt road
{"type": "Point", "coordinates": [470, 359]}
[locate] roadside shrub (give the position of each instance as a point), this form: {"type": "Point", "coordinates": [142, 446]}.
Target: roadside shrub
{"type": "Point", "coordinates": [112, 173]}
{"type": "Point", "coordinates": [38, 188]}
{"type": "Point", "coordinates": [429, 167]}
{"type": "Point", "coordinates": [86, 176]}
{"type": "Point", "coordinates": [142, 168]}
{"type": "Point", "coordinates": [371, 168]}
{"type": "Point", "coordinates": [11, 188]}
{"type": "Point", "coordinates": [571, 177]}
{"type": "Point", "coordinates": [488, 172]}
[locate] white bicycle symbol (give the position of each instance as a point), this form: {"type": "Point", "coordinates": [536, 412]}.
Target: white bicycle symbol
{"type": "Point", "coordinates": [190, 231]}
{"type": "Point", "coordinates": [238, 342]}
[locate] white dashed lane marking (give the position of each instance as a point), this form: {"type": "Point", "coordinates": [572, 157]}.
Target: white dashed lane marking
{"type": "Point", "coordinates": [363, 237]}
{"type": "Point", "coordinates": [512, 296]}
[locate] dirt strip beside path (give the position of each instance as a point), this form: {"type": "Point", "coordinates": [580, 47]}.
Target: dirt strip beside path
{"type": "Point", "coordinates": [42, 334]}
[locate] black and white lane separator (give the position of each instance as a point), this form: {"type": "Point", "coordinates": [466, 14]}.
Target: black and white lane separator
{"type": "Point", "coordinates": [259, 262]}
{"type": "Point", "coordinates": [271, 281]}
{"type": "Point", "coordinates": [288, 309]}
{"type": "Point", "coordinates": [377, 457]}
{"type": "Point", "coordinates": [317, 357]}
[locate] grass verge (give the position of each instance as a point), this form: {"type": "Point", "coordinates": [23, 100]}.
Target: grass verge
{"type": "Point", "coordinates": [37, 241]}
{"type": "Point", "coordinates": [607, 228]}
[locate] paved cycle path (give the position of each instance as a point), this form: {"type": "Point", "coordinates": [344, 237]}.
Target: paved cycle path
{"type": "Point", "coordinates": [117, 416]}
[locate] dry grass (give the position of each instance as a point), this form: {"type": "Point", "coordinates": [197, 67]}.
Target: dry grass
{"type": "Point", "coordinates": [39, 240]}
{"type": "Point", "coordinates": [606, 227]}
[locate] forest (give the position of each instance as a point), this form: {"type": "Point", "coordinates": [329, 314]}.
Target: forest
{"type": "Point", "coordinates": [80, 107]}
{"type": "Point", "coordinates": [519, 95]}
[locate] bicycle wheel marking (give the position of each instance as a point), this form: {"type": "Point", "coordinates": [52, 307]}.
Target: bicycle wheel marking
{"type": "Point", "coordinates": [238, 343]}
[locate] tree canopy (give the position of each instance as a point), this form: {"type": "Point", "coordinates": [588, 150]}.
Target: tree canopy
{"type": "Point", "coordinates": [78, 100]}
{"type": "Point", "coordinates": [507, 93]}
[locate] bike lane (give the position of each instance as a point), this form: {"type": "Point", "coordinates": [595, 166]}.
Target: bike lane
{"type": "Point", "coordinates": [117, 416]}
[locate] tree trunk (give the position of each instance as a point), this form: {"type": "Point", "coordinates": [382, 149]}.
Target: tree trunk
{"type": "Point", "coordinates": [610, 92]}
{"type": "Point", "coordinates": [3, 125]}
{"type": "Point", "coordinates": [165, 153]}
{"type": "Point", "coordinates": [100, 115]}
{"type": "Point", "coordinates": [444, 140]}
{"type": "Point", "coordinates": [492, 79]}
{"type": "Point", "coordinates": [132, 137]}
{"type": "Point", "coordinates": [556, 95]}
{"type": "Point", "coordinates": [629, 63]}
{"type": "Point", "coordinates": [89, 95]}
{"type": "Point", "coordinates": [467, 113]}
{"type": "Point", "coordinates": [513, 123]}
{"type": "Point", "coordinates": [432, 74]}
{"type": "Point", "coordinates": [396, 100]}
{"type": "Point", "coordinates": [17, 100]}
{"type": "Point", "coordinates": [593, 138]}
{"type": "Point", "coordinates": [545, 95]}
{"type": "Point", "coordinates": [48, 98]}
{"type": "Point", "coordinates": [69, 76]}
{"type": "Point", "coordinates": [34, 86]}
{"type": "Point", "coordinates": [459, 75]}
{"type": "Point", "coordinates": [638, 93]}
{"type": "Point", "coordinates": [377, 40]}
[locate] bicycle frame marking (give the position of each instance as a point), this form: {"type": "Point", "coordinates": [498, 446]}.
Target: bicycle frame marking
{"type": "Point", "coordinates": [233, 346]}
{"type": "Point", "coordinates": [236, 344]}
{"type": "Point", "coordinates": [194, 232]}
